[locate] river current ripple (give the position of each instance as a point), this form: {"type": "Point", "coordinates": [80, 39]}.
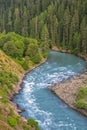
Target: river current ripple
{"type": "Point", "coordinates": [41, 104]}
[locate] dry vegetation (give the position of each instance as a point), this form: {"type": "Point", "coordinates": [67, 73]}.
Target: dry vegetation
{"type": "Point", "coordinates": [10, 72]}
{"type": "Point", "coordinates": [7, 64]}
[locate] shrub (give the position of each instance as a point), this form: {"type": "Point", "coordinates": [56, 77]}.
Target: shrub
{"type": "Point", "coordinates": [4, 39]}
{"type": "Point", "coordinates": [81, 101]}
{"type": "Point", "coordinates": [14, 49]}
{"type": "Point", "coordinates": [20, 48]}
{"type": "Point", "coordinates": [4, 100]}
{"type": "Point", "coordinates": [10, 49]}
{"type": "Point", "coordinates": [33, 123]}
{"type": "Point", "coordinates": [27, 127]}
{"type": "Point", "coordinates": [3, 90]}
{"type": "Point", "coordinates": [45, 49]}
{"type": "Point", "coordinates": [23, 63]}
{"type": "Point", "coordinates": [12, 121]}
{"type": "Point", "coordinates": [34, 53]}
{"type": "Point", "coordinates": [7, 78]}
{"type": "Point", "coordinates": [82, 93]}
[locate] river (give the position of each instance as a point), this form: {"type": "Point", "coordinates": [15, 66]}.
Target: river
{"type": "Point", "coordinates": [41, 104]}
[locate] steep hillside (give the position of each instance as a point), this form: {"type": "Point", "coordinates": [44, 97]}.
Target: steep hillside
{"type": "Point", "coordinates": [10, 73]}
{"type": "Point", "coordinates": [7, 64]}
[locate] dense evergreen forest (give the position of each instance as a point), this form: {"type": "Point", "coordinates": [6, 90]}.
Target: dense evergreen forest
{"type": "Point", "coordinates": [56, 22]}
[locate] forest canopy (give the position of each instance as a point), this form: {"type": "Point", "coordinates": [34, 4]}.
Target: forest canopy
{"type": "Point", "coordinates": [62, 23]}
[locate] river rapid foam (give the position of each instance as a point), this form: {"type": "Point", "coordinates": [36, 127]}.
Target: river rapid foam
{"type": "Point", "coordinates": [41, 104]}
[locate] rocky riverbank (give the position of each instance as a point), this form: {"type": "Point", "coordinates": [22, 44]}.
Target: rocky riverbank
{"type": "Point", "coordinates": [67, 91]}
{"type": "Point", "coordinates": [68, 51]}
{"type": "Point", "coordinates": [18, 87]}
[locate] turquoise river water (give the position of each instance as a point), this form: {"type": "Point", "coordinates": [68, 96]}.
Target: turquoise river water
{"type": "Point", "coordinates": [41, 104]}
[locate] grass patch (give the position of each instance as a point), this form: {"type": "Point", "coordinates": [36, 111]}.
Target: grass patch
{"type": "Point", "coordinates": [7, 78]}
{"type": "Point", "coordinates": [81, 99]}
{"type": "Point", "coordinates": [13, 121]}
{"type": "Point", "coordinates": [33, 124]}
{"type": "Point", "coordinates": [4, 100]}
{"type": "Point", "coordinates": [10, 71]}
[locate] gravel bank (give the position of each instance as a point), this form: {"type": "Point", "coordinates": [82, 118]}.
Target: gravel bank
{"type": "Point", "coordinates": [67, 90]}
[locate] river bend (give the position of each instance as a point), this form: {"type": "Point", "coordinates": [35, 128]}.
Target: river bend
{"type": "Point", "coordinates": [41, 104]}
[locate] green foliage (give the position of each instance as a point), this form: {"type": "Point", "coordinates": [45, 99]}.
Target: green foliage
{"type": "Point", "coordinates": [7, 78]}
{"type": "Point", "coordinates": [12, 44]}
{"type": "Point", "coordinates": [4, 100]}
{"type": "Point", "coordinates": [3, 90]}
{"type": "Point", "coordinates": [2, 40]}
{"type": "Point", "coordinates": [10, 48]}
{"type": "Point", "coordinates": [45, 49]}
{"type": "Point", "coordinates": [82, 93]}
{"type": "Point", "coordinates": [12, 121]}
{"type": "Point", "coordinates": [14, 49]}
{"type": "Point", "coordinates": [52, 22]}
{"type": "Point", "coordinates": [33, 123]}
{"type": "Point", "coordinates": [45, 41]}
{"type": "Point", "coordinates": [23, 63]}
{"type": "Point", "coordinates": [18, 47]}
{"type": "Point", "coordinates": [64, 23]}
{"type": "Point", "coordinates": [82, 104]}
{"type": "Point", "coordinates": [34, 53]}
{"type": "Point", "coordinates": [27, 127]}
{"type": "Point", "coordinates": [81, 100]}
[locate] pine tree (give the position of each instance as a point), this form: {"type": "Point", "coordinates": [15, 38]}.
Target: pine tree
{"type": "Point", "coordinates": [84, 35]}
{"type": "Point", "coordinates": [45, 40]}
{"type": "Point", "coordinates": [66, 25]}
{"type": "Point", "coordinates": [9, 25]}
{"type": "Point", "coordinates": [25, 23]}
{"type": "Point", "coordinates": [17, 25]}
